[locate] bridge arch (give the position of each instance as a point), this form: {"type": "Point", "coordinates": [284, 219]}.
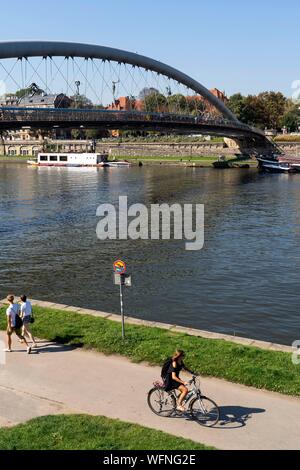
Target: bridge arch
{"type": "Point", "coordinates": [25, 49]}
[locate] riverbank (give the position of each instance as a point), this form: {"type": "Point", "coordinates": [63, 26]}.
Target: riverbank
{"type": "Point", "coordinates": [188, 161]}
{"type": "Point", "coordinates": [185, 161]}
{"type": "Point", "coordinates": [237, 360]}
{"type": "Point", "coordinates": [13, 159]}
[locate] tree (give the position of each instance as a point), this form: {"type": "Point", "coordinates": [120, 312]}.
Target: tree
{"type": "Point", "coordinates": [81, 102]}
{"type": "Point", "coordinates": [291, 119]}
{"type": "Point", "coordinates": [275, 106]}
{"type": "Point", "coordinates": [263, 110]}
{"type": "Point", "coordinates": [236, 104]}
{"type": "Point", "coordinates": [156, 103]}
{"type": "Point", "coordinates": [146, 92]}
{"type": "Point", "coordinates": [196, 106]}
{"type": "Point", "coordinates": [254, 112]}
{"type": "Point", "coordinates": [177, 103]}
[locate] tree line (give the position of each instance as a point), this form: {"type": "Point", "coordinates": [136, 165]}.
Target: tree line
{"type": "Point", "coordinates": [270, 110]}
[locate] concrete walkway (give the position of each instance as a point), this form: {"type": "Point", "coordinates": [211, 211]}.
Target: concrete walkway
{"type": "Point", "coordinates": [58, 379]}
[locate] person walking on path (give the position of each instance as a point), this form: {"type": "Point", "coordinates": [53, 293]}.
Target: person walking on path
{"type": "Point", "coordinates": [13, 324]}
{"type": "Point", "coordinates": [26, 315]}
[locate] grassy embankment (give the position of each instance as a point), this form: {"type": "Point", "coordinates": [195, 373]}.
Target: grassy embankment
{"type": "Point", "coordinates": [201, 161]}
{"type": "Point", "coordinates": [16, 158]}
{"type": "Point", "coordinates": [81, 432]}
{"type": "Point", "coordinates": [287, 138]}
{"type": "Point", "coordinates": [247, 365]}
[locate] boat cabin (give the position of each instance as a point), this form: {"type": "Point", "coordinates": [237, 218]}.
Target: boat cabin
{"type": "Point", "coordinates": [70, 159]}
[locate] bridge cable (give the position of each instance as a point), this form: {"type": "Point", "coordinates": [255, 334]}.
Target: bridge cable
{"type": "Point", "coordinates": [9, 73]}
{"type": "Point", "coordinates": [35, 72]}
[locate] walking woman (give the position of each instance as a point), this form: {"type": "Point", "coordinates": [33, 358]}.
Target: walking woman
{"type": "Point", "coordinates": [26, 314]}
{"type": "Point", "coordinates": [173, 381]}
{"type": "Point", "coordinates": [12, 314]}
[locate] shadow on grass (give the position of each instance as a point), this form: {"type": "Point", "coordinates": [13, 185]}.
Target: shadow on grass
{"type": "Point", "coordinates": [75, 340]}
{"type": "Point", "coordinates": [60, 344]}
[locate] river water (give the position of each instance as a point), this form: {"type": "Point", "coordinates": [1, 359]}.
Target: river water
{"type": "Point", "coordinates": [245, 281]}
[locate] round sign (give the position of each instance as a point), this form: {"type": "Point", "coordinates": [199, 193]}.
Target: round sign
{"type": "Point", "coordinates": [120, 267]}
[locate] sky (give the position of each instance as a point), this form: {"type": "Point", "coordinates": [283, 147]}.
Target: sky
{"type": "Point", "coordinates": [236, 46]}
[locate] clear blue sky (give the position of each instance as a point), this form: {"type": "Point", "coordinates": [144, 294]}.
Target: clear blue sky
{"type": "Point", "coordinates": [234, 45]}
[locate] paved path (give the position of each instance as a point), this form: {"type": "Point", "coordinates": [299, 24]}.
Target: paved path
{"type": "Point", "coordinates": [59, 379]}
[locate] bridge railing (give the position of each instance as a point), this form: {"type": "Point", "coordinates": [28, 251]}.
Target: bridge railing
{"type": "Point", "coordinates": [36, 115]}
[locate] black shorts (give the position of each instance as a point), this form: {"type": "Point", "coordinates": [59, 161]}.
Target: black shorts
{"type": "Point", "coordinates": [172, 385]}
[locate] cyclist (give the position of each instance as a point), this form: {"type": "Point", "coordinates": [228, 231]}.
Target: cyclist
{"type": "Point", "coordinates": [172, 380]}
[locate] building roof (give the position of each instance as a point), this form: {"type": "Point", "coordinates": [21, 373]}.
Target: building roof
{"type": "Point", "coordinates": [41, 99]}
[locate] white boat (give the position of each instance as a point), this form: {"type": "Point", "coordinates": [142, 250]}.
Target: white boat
{"type": "Point", "coordinates": [274, 166]}
{"type": "Point", "coordinates": [75, 160]}
{"type": "Point", "coordinates": [119, 164]}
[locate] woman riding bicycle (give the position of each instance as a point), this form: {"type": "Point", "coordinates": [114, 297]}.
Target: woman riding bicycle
{"type": "Point", "coordinates": [172, 380]}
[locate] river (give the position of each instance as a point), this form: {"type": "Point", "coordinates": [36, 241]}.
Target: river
{"type": "Point", "coordinates": [245, 281]}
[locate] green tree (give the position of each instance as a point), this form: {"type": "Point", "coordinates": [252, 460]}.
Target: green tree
{"type": "Point", "coordinates": [177, 103]}
{"type": "Point", "coordinates": [146, 92]}
{"type": "Point", "coordinates": [236, 104]}
{"type": "Point", "coordinates": [274, 105]}
{"type": "Point", "coordinates": [291, 119]}
{"type": "Point", "coordinates": [156, 103]}
{"type": "Point", "coordinates": [81, 102]}
{"type": "Point", "coordinates": [195, 105]}
{"type": "Point", "coordinates": [254, 112]}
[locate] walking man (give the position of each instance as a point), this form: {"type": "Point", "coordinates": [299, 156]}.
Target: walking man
{"type": "Point", "coordinates": [13, 318]}
{"type": "Point", "coordinates": [26, 314]}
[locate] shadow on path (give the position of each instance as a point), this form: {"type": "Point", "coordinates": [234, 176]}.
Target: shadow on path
{"type": "Point", "coordinates": [232, 417]}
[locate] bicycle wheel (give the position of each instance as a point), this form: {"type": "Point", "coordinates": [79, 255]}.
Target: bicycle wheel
{"type": "Point", "coordinates": [161, 402]}
{"type": "Point", "coordinates": [205, 411]}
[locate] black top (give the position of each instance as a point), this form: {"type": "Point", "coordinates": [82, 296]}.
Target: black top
{"type": "Point", "coordinates": [169, 382]}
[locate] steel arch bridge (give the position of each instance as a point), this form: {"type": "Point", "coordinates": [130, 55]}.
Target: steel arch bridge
{"type": "Point", "coordinates": [225, 123]}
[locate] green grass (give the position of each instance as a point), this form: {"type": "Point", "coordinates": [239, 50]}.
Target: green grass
{"type": "Point", "coordinates": [205, 161]}
{"type": "Point", "coordinates": [247, 365]}
{"type": "Point", "coordinates": [15, 158]}
{"type": "Point", "coordinates": [81, 432]}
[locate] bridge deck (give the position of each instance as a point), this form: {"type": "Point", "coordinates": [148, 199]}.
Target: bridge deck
{"type": "Point", "coordinates": [14, 118]}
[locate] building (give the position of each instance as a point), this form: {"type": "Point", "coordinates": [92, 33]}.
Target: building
{"type": "Point", "coordinates": [9, 100]}
{"type": "Point", "coordinates": [209, 108]}
{"type": "Point", "coordinates": [26, 141]}
{"type": "Point", "coordinates": [42, 100]}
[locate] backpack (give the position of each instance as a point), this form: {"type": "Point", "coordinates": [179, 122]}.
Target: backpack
{"type": "Point", "coordinates": [166, 367]}
{"type": "Point", "coordinates": [18, 322]}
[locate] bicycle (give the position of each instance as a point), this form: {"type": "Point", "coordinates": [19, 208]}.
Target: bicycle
{"type": "Point", "coordinates": [201, 408]}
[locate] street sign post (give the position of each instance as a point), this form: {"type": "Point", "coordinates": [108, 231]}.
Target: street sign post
{"type": "Point", "coordinates": [121, 279]}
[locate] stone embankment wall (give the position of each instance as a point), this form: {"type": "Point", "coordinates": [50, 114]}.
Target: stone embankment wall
{"type": "Point", "coordinates": [290, 148]}
{"type": "Point", "coordinates": [140, 149]}
{"type": "Point", "coordinates": [164, 149]}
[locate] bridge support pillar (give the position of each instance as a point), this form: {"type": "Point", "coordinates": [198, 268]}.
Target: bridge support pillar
{"type": "Point", "coordinates": [252, 147]}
